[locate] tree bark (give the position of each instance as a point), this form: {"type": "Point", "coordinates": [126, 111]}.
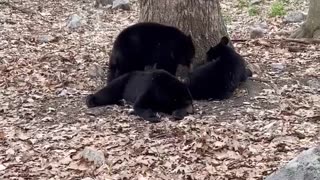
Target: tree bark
{"type": "Point", "coordinates": [310, 28]}
{"type": "Point", "coordinates": [201, 19]}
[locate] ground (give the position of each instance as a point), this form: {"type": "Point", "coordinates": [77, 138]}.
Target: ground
{"type": "Point", "coordinates": [45, 126]}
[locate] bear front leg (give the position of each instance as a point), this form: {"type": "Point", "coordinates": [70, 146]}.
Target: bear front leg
{"type": "Point", "coordinates": [179, 114]}
{"type": "Point", "coordinates": [141, 109]}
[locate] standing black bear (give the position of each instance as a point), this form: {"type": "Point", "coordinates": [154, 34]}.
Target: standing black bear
{"type": "Point", "coordinates": [223, 73]}
{"type": "Point", "coordinates": [149, 91]}
{"type": "Point", "coordinates": [150, 45]}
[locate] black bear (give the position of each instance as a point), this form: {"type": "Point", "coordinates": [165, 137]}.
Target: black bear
{"type": "Point", "coordinates": [220, 76]}
{"type": "Point", "coordinates": [149, 44]}
{"type": "Point", "coordinates": [150, 92]}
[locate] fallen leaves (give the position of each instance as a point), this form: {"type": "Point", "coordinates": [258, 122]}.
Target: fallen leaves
{"type": "Point", "coordinates": [2, 167]}
{"type": "Point", "coordinates": [2, 136]}
{"type": "Point", "coordinates": [23, 136]}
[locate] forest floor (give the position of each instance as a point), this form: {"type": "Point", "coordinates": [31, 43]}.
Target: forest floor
{"type": "Point", "coordinates": [45, 125]}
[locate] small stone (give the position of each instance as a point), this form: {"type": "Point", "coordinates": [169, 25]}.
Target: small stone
{"type": "Point", "coordinates": [33, 141]}
{"type": "Point", "coordinates": [262, 25]}
{"type": "Point", "coordinates": [121, 4]}
{"type": "Point", "coordinates": [74, 21]}
{"type": "Point", "coordinates": [277, 66]}
{"type": "Point", "coordinates": [95, 71]}
{"type": "Point", "coordinates": [45, 38]}
{"type": "Point", "coordinates": [294, 17]}
{"type": "Point", "coordinates": [314, 83]}
{"type": "Point", "coordinates": [255, 2]}
{"type": "Point", "coordinates": [93, 155]}
{"type": "Point", "coordinates": [256, 32]}
{"type": "Point", "coordinates": [64, 92]}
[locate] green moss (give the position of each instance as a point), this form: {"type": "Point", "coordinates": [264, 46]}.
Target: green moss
{"type": "Point", "coordinates": [277, 9]}
{"type": "Point", "coordinates": [243, 3]}
{"type": "Point", "coordinates": [227, 18]}
{"type": "Point", "coordinates": [253, 10]}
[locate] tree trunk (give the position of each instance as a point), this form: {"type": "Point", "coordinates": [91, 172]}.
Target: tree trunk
{"type": "Point", "coordinates": [310, 28]}
{"type": "Point", "coordinates": [201, 19]}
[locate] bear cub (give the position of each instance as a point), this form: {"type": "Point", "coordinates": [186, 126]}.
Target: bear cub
{"type": "Point", "coordinates": [149, 91]}
{"type": "Point", "coordinates": [220, 76]}
{"type": "Point", "coordinates": [144, 45]}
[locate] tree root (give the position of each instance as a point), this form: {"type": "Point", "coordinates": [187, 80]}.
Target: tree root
{"type": "Point", "coordinates": [316, 34]}
{"type": "Point", "coordinates": [302, 32]}
{"type": "Point", "coordinates": [306, 32]}
{"type": "Point", "coordinates": [272, 40]}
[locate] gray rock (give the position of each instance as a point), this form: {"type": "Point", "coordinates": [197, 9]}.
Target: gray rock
{"type": "Point", "coordinates": [63, 92]}
{"type": "Point", "coordinates": [277, 66]}
{"type": "Point", "coordinates": [254, 2]}
{"type": "Point", "coordinates": [255, 68]}
{"type": "Point", "coordinates": [45, 38]}
{"type": "Point", "coordinates": [294, 17]}
{"type": "Point", "coordinates": [256, 32]}
{"type": "Point", "coordinates": [121, 4]}
{"type": "Point", "coordinates": [314, 83]}
{"type": "Point", "coordinates": [103, 3]}
{"type": "Point", "coordinates": [93, 155]}
{"type": "Point", "coordinates": [74, 21]}
{"type": "Point", "coordinates": [306, 166]}
{"type": "Point", "coordinates": [96, 73]}
{"type": "Point", "coordinates": [261, 24]}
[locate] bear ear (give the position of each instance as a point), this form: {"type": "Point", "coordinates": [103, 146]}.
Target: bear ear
{"type": "Point", "coordinates": [224, 40]}
{"type": "Point", "coordinates": [209, 54]}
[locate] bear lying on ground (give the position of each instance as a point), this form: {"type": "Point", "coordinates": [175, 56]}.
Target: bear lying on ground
{"type": "Point", "coordinates": [149, 91]}
{"type": "Point", "coordinates": [148, 44]}
{"type": "Point", "coordinates": [220, 76]}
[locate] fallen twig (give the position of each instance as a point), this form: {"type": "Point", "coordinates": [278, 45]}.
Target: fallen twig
{"type": "Point", "coordinates": [259, 79]}
{"type": "Point", "coordinates": [26, 11]}
{"type": "Point", "coordinates": [17, 8]}
{"type": "Point", "coordinates": [302, 41]}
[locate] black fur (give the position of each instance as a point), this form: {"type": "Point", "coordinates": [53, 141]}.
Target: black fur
{"type": "Point", "coordinates": [149, 91]}
{"type": "Point", "coordinates": [218, 78]}
{"type": "Point", "coordinates": [148, 44]}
